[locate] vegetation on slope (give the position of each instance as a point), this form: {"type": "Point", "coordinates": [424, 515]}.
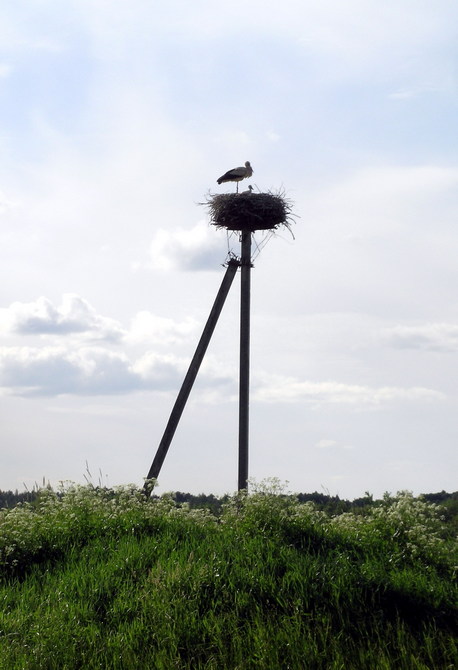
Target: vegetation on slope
{"type": "Point", "coordinates": [97, 578]}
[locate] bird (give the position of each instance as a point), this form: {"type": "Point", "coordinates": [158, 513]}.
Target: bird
{"type": "Point", "coordinates": [249, 191]}
{"type": "Point", "coordinates": [237, 174]}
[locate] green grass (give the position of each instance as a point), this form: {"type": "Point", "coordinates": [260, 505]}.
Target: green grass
{"type": "Point", "coordinates": [92, 578]}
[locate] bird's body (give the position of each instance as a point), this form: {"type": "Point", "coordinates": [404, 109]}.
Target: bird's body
{"type": "Point", "coordinates": [237, 174]}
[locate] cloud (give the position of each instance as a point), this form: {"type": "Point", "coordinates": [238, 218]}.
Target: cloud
{"type": "Point", "coordinates": [66, 364]}
{"type": "Point", "coordinates": [74, 315]}
{"type": "Point", "coordinates": [381, 198]}
{"type": "Point", "coordinates": [415, 91]}
{"type": "Point", "coordinates": [354, 36]}
{"type": "Point", "coordinates": [148, 327]}
{"type": "Point", "coordinates": [5, 203]}
{"type": "Point", "coordinates": [5, 70]}
{"type": "Point", "coordinates": [272, 136]}
{"type": "Point", "coordinates": [332, 444]}
{"type": "Point", "coordinates": [51, 371]}
{"type": "Point", "coordinates": [289, 389]}
{"type": "Point", "coordinates": [429, 337]}
{"type": "Point", "coordinates": [195, 249]}
{"type": "Point", "coordinates": [325, 444]}
{"type": "Point", "coordinates": [55, 370]}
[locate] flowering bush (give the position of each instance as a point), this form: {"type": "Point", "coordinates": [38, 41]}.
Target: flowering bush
{"type": "Point", "coordinates": [411, 526]}
{"type": "Point", "coordinates": [405, 528]}
{"type": "Point", "coordinates": [73, 515]}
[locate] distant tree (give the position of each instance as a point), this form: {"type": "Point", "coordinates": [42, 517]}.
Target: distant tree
{"type": "Point", "coordinates": [11, 499]}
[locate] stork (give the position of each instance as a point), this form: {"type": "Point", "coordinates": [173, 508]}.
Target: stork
{"type": "Point", "coordinates": [237, 174]}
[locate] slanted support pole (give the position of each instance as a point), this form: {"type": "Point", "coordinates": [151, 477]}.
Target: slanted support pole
{"type": "Point", "coordinates": [192, 373]}
{"type": "Point", "coordinates": [244, 378]}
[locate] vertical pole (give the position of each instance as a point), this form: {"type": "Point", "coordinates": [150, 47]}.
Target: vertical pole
{"type": "Point", "coordinates": [244, 379]}
{"type": "Point", "coordinates": [192, 372]}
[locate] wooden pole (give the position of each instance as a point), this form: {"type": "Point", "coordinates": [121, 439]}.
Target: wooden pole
{"type": "Point", "coordinates": [192, 373]}
{"type": "Point", "coordinates": [244, 378]}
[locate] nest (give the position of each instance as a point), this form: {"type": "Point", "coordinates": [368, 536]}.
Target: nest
{"type": "Point", "coordinates": [249, 211]}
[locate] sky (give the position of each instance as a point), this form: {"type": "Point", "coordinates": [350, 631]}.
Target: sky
{"type": "Point", "coordinates": [116, 119]}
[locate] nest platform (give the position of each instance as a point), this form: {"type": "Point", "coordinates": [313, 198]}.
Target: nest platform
{"type": "Point", "coordinates": [249, 211]}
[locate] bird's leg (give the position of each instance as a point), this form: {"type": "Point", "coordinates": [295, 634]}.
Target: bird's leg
{"type": "Point", "coordinates": [237, 186]}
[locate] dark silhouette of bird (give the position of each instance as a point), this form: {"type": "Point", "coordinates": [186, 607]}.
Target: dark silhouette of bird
{"type": "Point", "coordinates": [237, 174]}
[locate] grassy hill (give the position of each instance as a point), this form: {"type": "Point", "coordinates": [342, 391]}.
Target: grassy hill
{"type": "Point", "coordinates": [97, 578]}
